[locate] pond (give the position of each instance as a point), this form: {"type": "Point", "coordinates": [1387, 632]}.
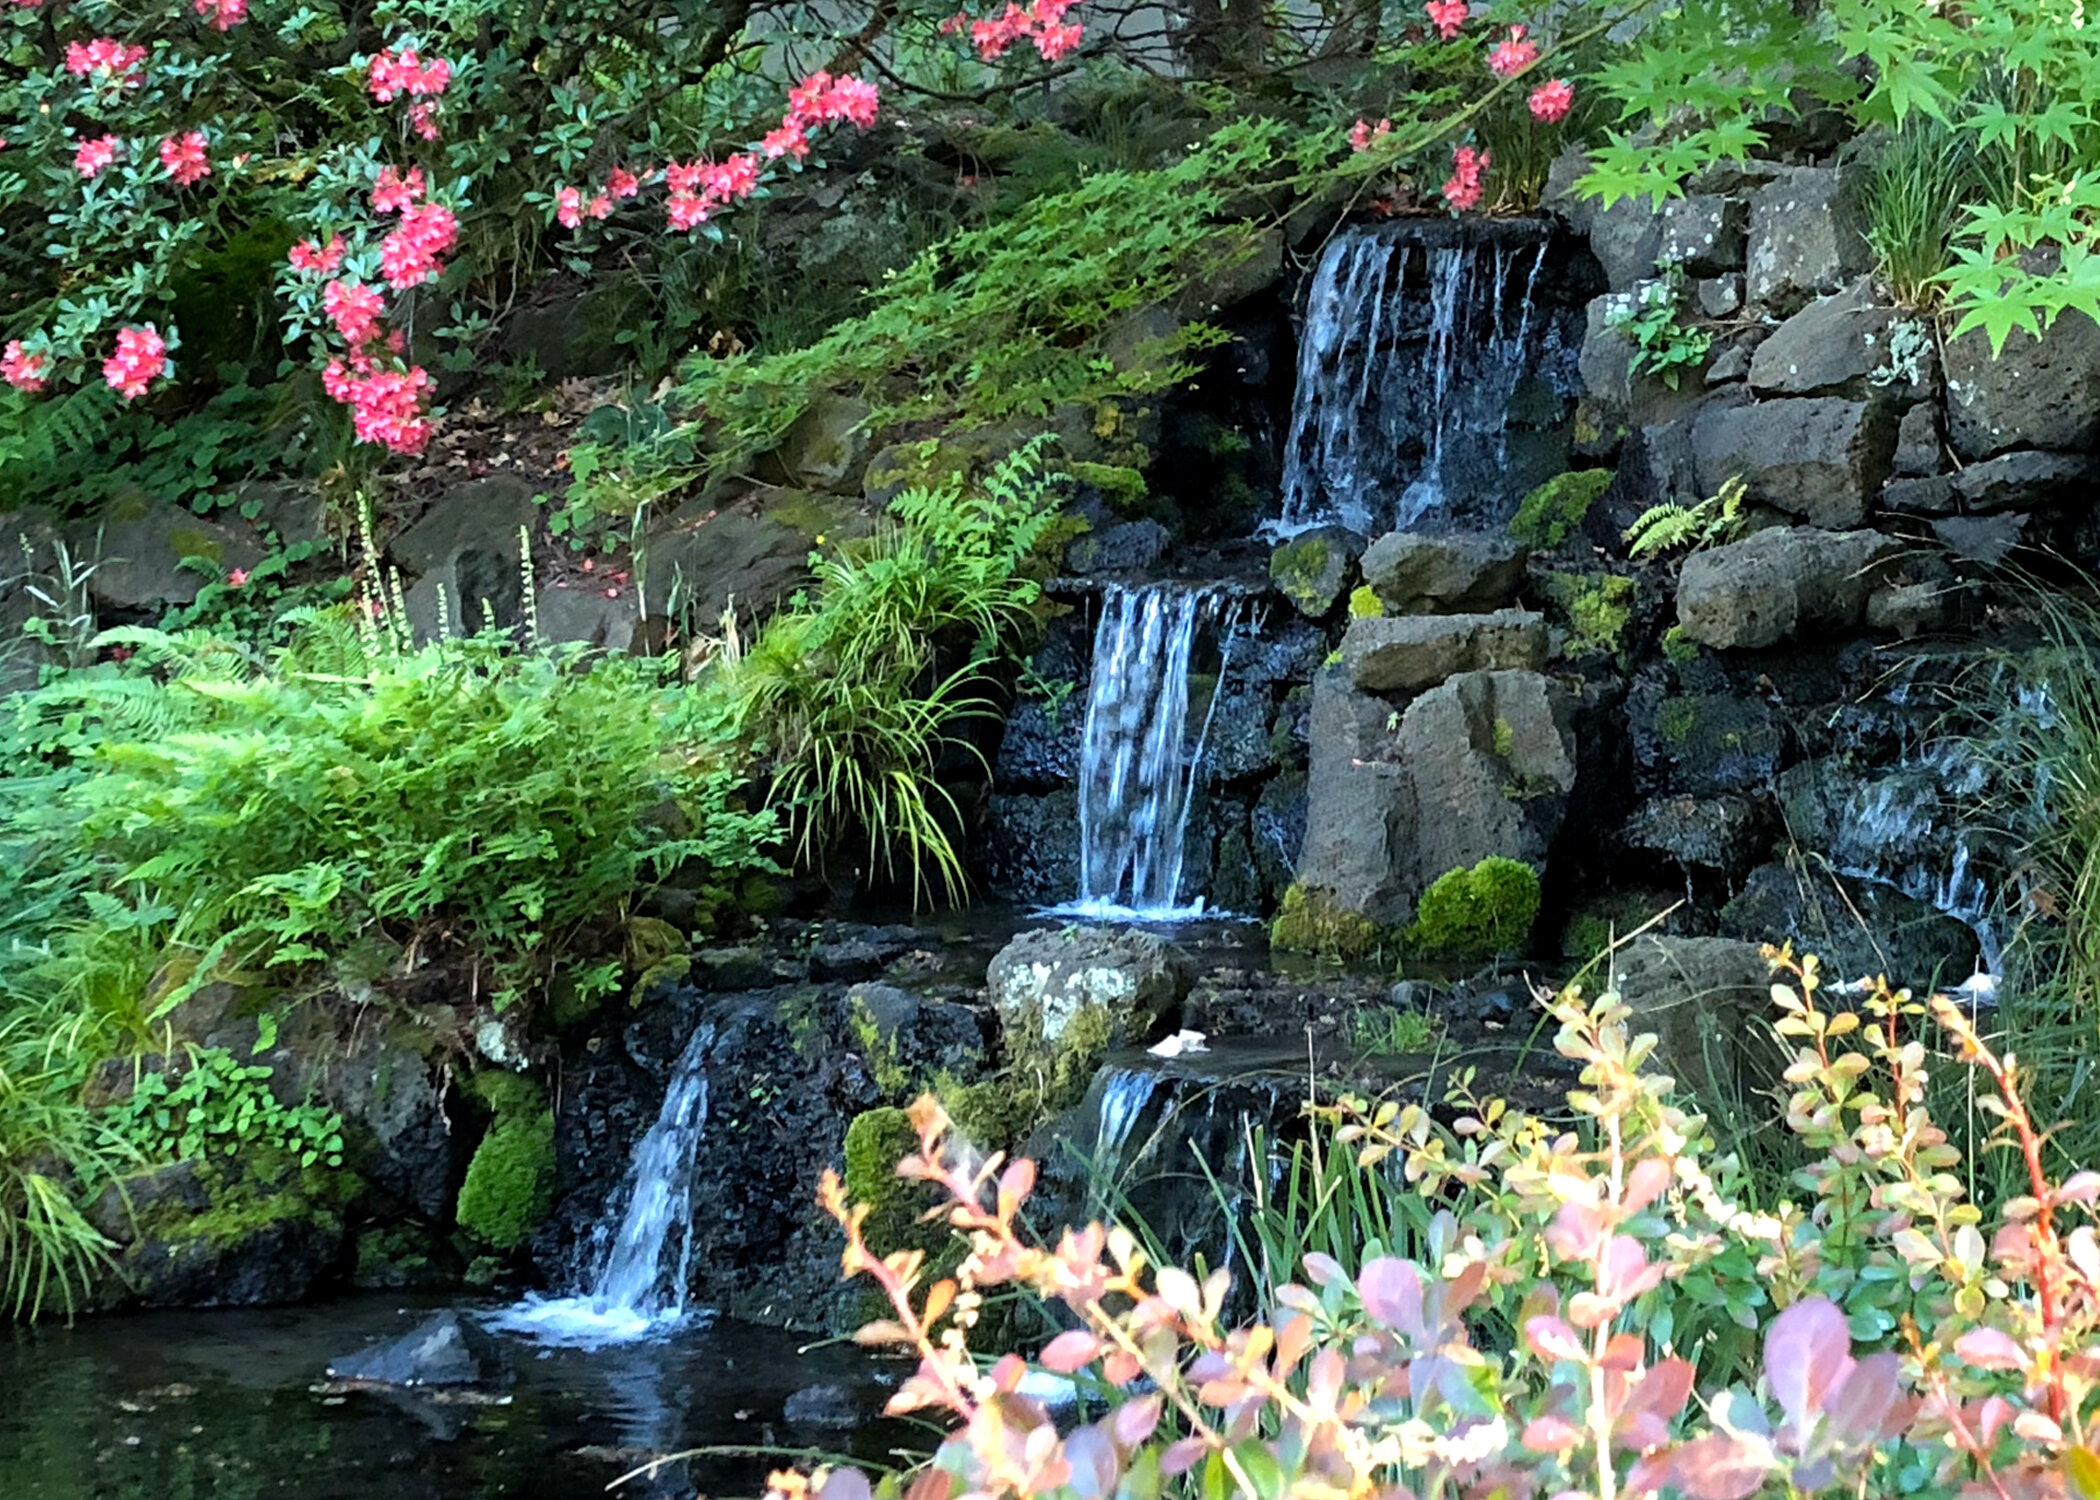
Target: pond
{"type": "Point", "coordinates": [230, 1406]}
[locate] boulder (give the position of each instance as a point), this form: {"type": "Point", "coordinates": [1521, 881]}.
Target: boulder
{"type": "Point", "coordinates": [827, 446]}
{"type": "Point", "coordinates": [1627, 240]}
{"type": "Point", "coordinates": [1698, 833]}
{"type": "Point", "coordinates": [712, 558]}
{"type": "Point", "coordinates": [1701, 998]}
{"type": "Point", "coordinates": [392, 1100]}
{"type": "Point", "coordinates": [2011, 481]}
{"type": "Point", "coordinates": [1237, 743]}
{"type": "Point", "coordinates": [1986, 540]}
{"type": "Point", "coordinates": [1315, 568]}
{"type": "Point", "coordinates": [141, 555]}
{"type": "Point", "coordinates": [279, 1253]}
{"type": "Point", "coordinates": [1857, 927]}
{"type": "Point", "coordinates": [1822, 458]}
{"type": "Point", "coordinates": [1455, 573]}
{"type": "Point", "coordinates": [1705, 744]}
{"type": "Point", "coordinates": [444, 1351]}
{"type": "Point", "coordinates": [1359, 819]}
{"type": "Point", "coordinates": [1126, 547]}
{"type": "Point", "coordinates": [1779, 582]}
{"type": "Point", "coordinates": [1832, 347]}
{"type": "Point", "coordinates": [1703, 233]}
{"type": "Point", "coordinates": [601, 617]}
{"type": "Point", "coordinates": [1030, 845]}
{"type": "Point", "coordinates": [2034, 393]}
{"type": "Point", "coordinates": [1719, 296]}
{"type": "Point", "coordinates": [468, 550]}
{"type": "Point", "coordinates": [1099, 983]}
{"type": "Point", "coordinates": [918, 1036]}
{"type": "Point", "coordinates": [1039, 751]}
{"type": "Point", "coordinates": [1605, 363]}
{"type": "Point", "coordinates": [1910, 609]}
{"type": "Point", "coordinates": [1386, 654]}
{"type": "Point", "coordinates": [1807, 236]}
{"type": "Point", "coordinates": [1918, 441]}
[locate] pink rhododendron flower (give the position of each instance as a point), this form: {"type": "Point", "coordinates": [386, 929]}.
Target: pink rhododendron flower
{"type": "Point", "coordinates": [422, 119]}
{"type": "Point", "coordinates": [236, 577]}
{"type": "Point", "coordinates": [105, 54]}
{"type": "Point", "coordinates": [600, 206]}
{"type": "Point", "coordinates": [1512, 56]}
{"type": "Point", "coordinates": [1552, 101]}
{"type": "Point", "coordinates": [386, 406]}
{"type": "Point", "coordinates": [1363, 133]}
{"type": "Point", "coordinates": [622, 183]}
{"type": "Point", "coordinates": [789, 140]}
{"type": "Point", "coordinates": [1447, 16]}
{"type": "Point", "coordinates": [141, 359]}
{"type": "Point", "coordinates": [92, 156]}
{"type": "Point", "coordinates": [685, 211]}
{"type": "Point", "coordinates": [821, 99]}
{"type": "Point", "coordinates": [568, 207]}
{"type": "Point", "coordinates": [22, 369]}
{"type": "Point", "coordinates": [403, 72]}
{"type": "Point", "coordinates": [225, 14]}
{"type": "Point", "coordinates": [1468, 167]}
{"type": "Point", "coordinates": [393, 192]}
{"type": "Point", "coordinates": [184, 158]}
{"type": "Point", "coordinates": [309, 257]}
{"type": "Point", "coordinates": [1055, 42]}
{"type": "Point", "coordinates": [355, 309]}
{"type": "Point", "coordinates": [409, 256]}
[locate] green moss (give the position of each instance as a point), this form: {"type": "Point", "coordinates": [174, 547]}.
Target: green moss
{"type": "Point", "coordinates": [1552, 512]}
{"type": "Point", "coordinates": [1310, 921]}
{"type": "Point", "coordinates": [506, 1093]}
{"type": "Point", "coordinates": [510, 1182]}
{"type": "Point", "coordinates": [1364, 603]}
{"type": "Point", "coordinates": [1675, 719]}
{"type": "Point", "coordinates": [1598, 606]}
{"type": "Point", "coordinates": [1476, 913]}
{"type": "Point", "coordinates": [1299, 569]}
{"type": "Point", "coordinates": [877, 1050]}
{"type": "Point", "coordinates": [1679, 647]}
{"type": "Point", "coordinates": [1505, 737]}
{"type": "Point", "coordinates": [1121, 485]}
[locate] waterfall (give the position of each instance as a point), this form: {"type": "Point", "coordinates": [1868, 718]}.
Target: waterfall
{"type": "Point", "coordinates": [638, 1284]}
{"type": "Point", "coordinates": [1409, 357]}
{"type": "Point", "coordinates": [1138, 761]}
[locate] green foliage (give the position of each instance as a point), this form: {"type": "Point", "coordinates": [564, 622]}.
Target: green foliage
{"type": "Point", "coordinates": [1922, 175]}
{"type": "Point", "coordinates": [1311, 921]}
{"type": "Point", "coordinates": [49, 1144]}
{"type": "Point", "coordinates": [1679, 647]}
{"type": "Point", "coordinates": [1364, 603]}
{"type": "Point", "coordinates": [1598, 606]}
{"type": "Point", "coordinates": [218, 1106]}
{"type": "Point", "coordinates": [1389, 1032]}
{"type": "Point", "coordinates": [1714, 521]}
{"type": "Point", "coordinates": [1477, 913]}
{"type": "Point", "coordinates": [509, 1184]}
{"type": "Point", "coordinates": [1554, 511]}
{"type": "Point", "coordinates": [855, 692]}
{"type": "Point", "coordinates": [1664, 345]}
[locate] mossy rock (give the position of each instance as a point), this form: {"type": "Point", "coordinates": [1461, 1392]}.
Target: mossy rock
{"type": "Point", "coordinates": [876, 1140]}
{"type": "Point", "coordinates": [1597, 607]}
{"type": "Point", "coordinates": [1311, 921]}
{"type": "Point", "coordinates": [1364, 603]}
{"type": "Point", "coordinates": [1314, 569]}
{"type": "Point", "coordinates": [509, 1186]}
{"type": "Point", "coordinates": [1477, 913]}
{"type": "Point", "coordinates": [1554, 511]}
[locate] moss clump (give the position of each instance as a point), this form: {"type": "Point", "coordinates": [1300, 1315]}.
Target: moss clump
{"type": "Point", "coordinates": [1550, 513]}
{"type": "Point", "coordinates": [1679, 647]}
{"type": "Point", "coordinates": [510, 1182]}
{"type": "Point", "coordinates": [876, 1140]}
{"type": "Point", "coordinates": [1598, 606]}
{"type": "Point", "coordinates": [1476, 913]}
{"type": "Point", "coordinates": [1310, 921]}
{"type": "Point", "coordinates": [1676, 718]}
{"type": "Point", "coordinates": [879, 1052]}
{"type": "Point", "coordinates": [1505, 737]}
{"type": "Point", "coordinates": [1119, 484]}
{"type": "Point", "coordinates": [1364, 603]}
{"type": "Point", "coordinates": [1300, 571]}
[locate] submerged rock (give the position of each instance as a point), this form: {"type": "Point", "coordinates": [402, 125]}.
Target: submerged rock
{"type": "Point", "coordinates": [444, 1350]}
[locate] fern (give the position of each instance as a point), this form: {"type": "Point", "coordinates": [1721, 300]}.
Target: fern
{"type": "Point", "coordinates": [1717, 519]}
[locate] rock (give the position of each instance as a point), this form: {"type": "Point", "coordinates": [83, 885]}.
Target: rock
{"type": "Point", "coordinates": [1856, 927]}
{"type": "Point", "coordinates": [826, 447]}
{"type": "Point", "coordinates": [713, 558]}
{"type": "Point", "coordinates": [1606, 366]}
{"type": "Point", "coordinates": [1909, 609]}
{"type": "Point", "coordinates": [1987, 540]}
{"type": "Point", "coordinates": [920, 1037]}
{"type": "Point", "coordinates": [1127, 547]}
{"type": "Point", "coordinates": [1561, 199]}
{"type": "Point", "coordinates": [1454, 573]}
{"type": "Point", "coordinates": [392, 1101]}
{"type": "Point", "coordinates": [1807, 236]}
{"type": "Point", "coordinates": [1402, 654]}
{"type": "Point", "coordinates": [1238, 744]}
{"type": "Point", "coordinates": [1039, 752]}
{"type": "Point", "coordinates": [140, 555]}
{"type": "Point", "coordinates": [1703, 233]}
{"type": "Point", "coordinates": [1731, 364]}
{"type": "Point", "coordinates": [1777, 583]}
{"type": "Point", "coordinates": [2012, 481]}
{"type": "Point", "coordinates": [444, 1351]}
{"type": "Point", "coordinates": [1277, 831]}
{"type": "Point", "coordinates": [1359, 807]}
{"type": "Point", "coordinates": [468, 549]}
{"type": "Point", "coordinates": [588, 616]}
{"type": "Point", "coordinates": [571, 333]}
{"type": "Point", "coordinates": [1288, 650]}
{"type": "Point", "coordinates": [1491, 757]}
{"type": "Point", "coordinates": [1821, 458]}
{"type": "Point", "coordinates": [1118, 985]}
{"type": "Point", "coordinates": [2035, 393]}
{"type": "Point", "coordinates": [1701, 998]}
{"type": "Point", "coordinates": [119, 1208]}
{"type": "Point", "coordinates": [1657, 468]}
{"type": "Point", "coordinates": [269, 1259]}
{"type": "Point", "coordinates": [1627, 240]}
{"type": "Point", "coordinates": [296, 514]}
{"type": "Point", "coordinates": [1719, 296]}
{"type": "Point", "coordinates": [1918, 441]}
{"type": "Point", "coordinates": [1706, 743]}
{"type": "Point", "coordinates": [830, 1407]}
{"type": "Point", "coordinates": [1832, 347]}
{"type": "Point", "coordinates": [1315, 568]}
{"type": "Point", "coordinates": [1030, 846]}
{"type": "Point", "coordinates": [1698, 833]}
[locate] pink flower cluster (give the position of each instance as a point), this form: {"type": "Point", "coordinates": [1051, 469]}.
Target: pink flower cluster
{"type": "Point", "coordinates": [700, 187]}
{"type": "Point", "coordinates": [1041, 22]}
{"type": "Point", "coordinates": [394, 192]}
{"type": "Point", "coordinates": [1469, 167]}
{"type": "Point", "coordinates": [387, 405]}
{"type": "Point", "coordinates": [140, 359]}
{"type": "Point", "coordinates": [1551, 101]}
{"type": "Point", "coordinates": [571, 208]}
{"type": "Point", "coordinates": [357, 311]}
{"type": "Point", "coordinates": [184, 158]}
{"type": "Point", "coordinates": [317, 260]}
{"type": "Point", "coordinates": [1447, 16]}
{"type": "Point", "coordinates": [405, 73]}
{"type": "Point", "coordinates": [90, 157]}
{"type": "Point", "coordinates": [1363, 134]}
{"type": "Point", "coordinates": [1512, 56]}
{"type": "Point", "coordinates": [224, 14]}
{"type": "Point", "coordinates": [106, 55]}
{"type": "Point", "coordinates": [21, 368]}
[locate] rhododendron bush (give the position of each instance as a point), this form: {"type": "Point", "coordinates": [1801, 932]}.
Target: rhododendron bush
{"type": "Point", "coordinates": [1592, 1308]}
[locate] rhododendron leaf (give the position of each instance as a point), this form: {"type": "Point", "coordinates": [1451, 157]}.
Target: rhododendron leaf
{"type": "Point", "coordinates": [1391, 1292]}
{"type": "Point", "coordinates": [1807, 1348]}
{"type": "Point", "coordinates": [1989, 1349]}
{"type": "Point", "coordinates": [1069, 1352]}
{"type": "Point", "coordinates": [1718, 1467]}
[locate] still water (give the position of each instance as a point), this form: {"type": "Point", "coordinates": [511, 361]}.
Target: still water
{"type": "Point", "coordinates": [229, 1406]}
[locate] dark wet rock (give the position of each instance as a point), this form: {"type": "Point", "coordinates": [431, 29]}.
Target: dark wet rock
{"type": "Point", "coordinates": [1704, 233]}
{"type": "Point", "coordinates": [1290, 650]}
{"type": "Point", "coordinates": [849, 951]}
{"type": "Point", "coordinates": [1239, 744]}
{"type": "Point", "coordinates": [1045, 984]}
{"type": "Point", "coordinates": [1606, 366]}
{"type": "Point", "coordinates": [1722, 834]}
{"type": "Point", "coordinates": [829, 1407]}
{"type": "Point", "coordinates": [1385, 654]}
{"type": "Point", "coordinates": [1627, 240]}
{"type": "Point", "coordinates": [1126, 547]}
{"type": "Point", "coordinates": [139, 550]}
{"type": "Point", "coordinates": [2034, 393]}
{"type": "Point", "coordinates": [1719, 297]}
{"type": "Point", "coordinates": [1918, 441]}
{"type": "Point", "coordinates": [1779, 583]}
{"type": "Point", "coordinates": [1807, 236]}
{"type": "Point", "coordinates": [2011, 481]}
{"type": "Point", "coordinates": [1039, 751]}
{"type": "Point", "coordinates": [1030, 845]}
{"type": "Point", "coordinates": [739, 966]}
{"type": "Point", "coordinates": [1701, 998]}
{"type": "Point", "coordinates": [1276, 828]}
{"type": "Point", "coordinates": [1985, 540]}
{"type": "Point", "coordinates": [1453, 573]}
{"type": "Point", "coordinates": [1906, 610]}
{"type": "Point", "coordinates": [920, 1036]}
{"type": "Point", "coordinates": [713, 557]}
{"type": "Point", "coordinates": [1822, 458]}
{"type": "Point", "coordinates": [444, 1350]}
{"type": "Point", "coordinates": [263, 1263]}
{"type": "Point", "coordinates": [1315, 568]}
{"type": "Point", "coordinates": [393, 1104]}
{"type": "Point", "coordinates": [1705, 744]}
{"type": "Point", "coordinates": [1360, 805]}
{"type": "Point", "coordinates": [1857, 927]}
{"type": "Point", "coordinates": [156, 1194]}
{"type": "Point", "coordinates": [1832, 347]}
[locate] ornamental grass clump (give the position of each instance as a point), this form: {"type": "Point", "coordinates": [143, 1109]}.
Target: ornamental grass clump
{"type": "Point", "coordinates": [1562, 1327]}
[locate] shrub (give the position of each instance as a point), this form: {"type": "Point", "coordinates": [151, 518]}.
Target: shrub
{"type": "Point", "coordinates": [1479, 912]}
{"type": "Point", "coordinates": [1553, 512]}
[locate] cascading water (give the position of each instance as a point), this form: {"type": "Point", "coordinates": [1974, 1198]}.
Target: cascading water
{"type": "Point", "coordinates": [1410, 351]}
{"type": "Point", "coordinates": [638, 1284]}
{"type": "Point", "coordinates": [1138, 761]}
